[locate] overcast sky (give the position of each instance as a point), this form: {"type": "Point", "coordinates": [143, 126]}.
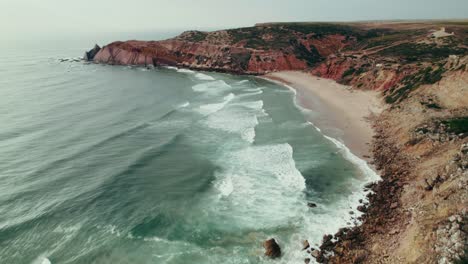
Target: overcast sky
{"type": "Point", "coordinates": [54, 16]}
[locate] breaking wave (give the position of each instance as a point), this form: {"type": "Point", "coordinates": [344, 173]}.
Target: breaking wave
{"type": "Point", "coordinates": [204, 77]}
{"type": "Point", "coordinates": [211, 86]}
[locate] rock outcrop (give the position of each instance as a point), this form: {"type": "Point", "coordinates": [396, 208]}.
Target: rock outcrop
{"type": "Point", "coordinates": [272, 249]}
{"type": "Point", "coordinates": [89, 55]}
{"type": "Point", "coordinates": [255, 50]}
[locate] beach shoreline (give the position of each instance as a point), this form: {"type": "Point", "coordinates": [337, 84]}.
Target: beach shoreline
{"type": "Point", "coordinates": [337, 110]}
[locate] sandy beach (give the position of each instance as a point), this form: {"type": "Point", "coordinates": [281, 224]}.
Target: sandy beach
{"type": "Point", "coordinates": [336, 109]}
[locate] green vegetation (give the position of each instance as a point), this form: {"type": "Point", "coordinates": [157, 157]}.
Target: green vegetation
{"type": "Point", "coordinates": [194, 36]}
{"type": "Point", "coordinates": [377, 32]}
{"type": "Point", "coordinates": [281, 34]}
{"type": "Point", "coordinates": [453, 23]}
{"type": "Point", "coordinates": [301, 52]}
{"type": "Point", "coordinates": [323, 29]}
{"type": "Point", "coordinates": [383, 38]}
{"type": "Point", "coordinates": [242, 59]}
{"type": "Point", "coordinates": [464, 259]}
{"type": "Point", "coordinates": [432, 106]}
{"type": "Point", "coordinates": [457, 125]}
{"type": "Point", "coordinates": [199, 36]}
{"type": "Point", "coordinates": [253, 37]}
{"type": "Point", "coordinates": [411, 82]}
{"type": "Point", "coordinates": [348, 72]}
{"type": "Point", "coordinates": [354, 71]}
{"type": "Point", "coordinates": [418, 52]}
{"type": "Point", "coordinates": [361, 70]}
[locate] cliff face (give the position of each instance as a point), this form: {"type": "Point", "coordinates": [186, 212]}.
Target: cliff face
{"type": "Point", "coordinates": [255, 50]}
{"type": "Point", "coordinates": [419, 211]}
{"type": "Point", "coordinates": [366, 56]}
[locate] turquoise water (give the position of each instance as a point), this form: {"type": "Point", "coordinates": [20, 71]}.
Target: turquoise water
{"type": "Point", "coordinates": [116, 164]}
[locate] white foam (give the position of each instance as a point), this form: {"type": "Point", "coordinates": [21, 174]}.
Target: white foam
{"type": "Point", "coordinates": [42, 259]}
{"type": "Point", "coordinates": [251, 92]}
{"type": "Point", "coordinates": [256, 105]}
{"type": "Point", "coordinates": [214, 85]}
{"type": "Point", "coordinates": [185, 71]}
{"type": "Point", "coordinates": [370, 174]}
{"type": "Point", "coordinates": [242, 82]}
{"type": "Point", "coordinates": [235, 121]}
{"type": "Point", "coordinates": [204, 77]}
{"type": "Point", "coordinates": [249, 134]}
{"type": "Point", "coordinates": [215, 107]}
{"type": "Point", "coordinates": [171, 68]}
{"type": "Point", "coordinates": [154, 239]}
{"type": "Point", "coordinates": [260, 187]}
{"type": "Point", "coordinates": [183, 105]}
{"type": "Point", "coordinates": [46, 261]}
{"type": "Point", "coordinates": [225, 186]}
{"type": "Point", "coordinates": [316, 128]}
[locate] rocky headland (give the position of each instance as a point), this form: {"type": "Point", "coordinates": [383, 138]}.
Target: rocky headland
{"type": "Point", "coordinates": [418, 212]}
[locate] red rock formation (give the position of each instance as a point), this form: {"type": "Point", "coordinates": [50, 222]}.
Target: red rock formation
{"type": "Point", "coordinates": [378, 59]}
{"type": "Point", "coordinates": [258, 52]}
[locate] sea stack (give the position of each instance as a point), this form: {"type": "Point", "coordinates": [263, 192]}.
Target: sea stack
{"type": "Point", "coordinates": [89, 55]}
{"type": "Point", "coordinates": [272, 249]}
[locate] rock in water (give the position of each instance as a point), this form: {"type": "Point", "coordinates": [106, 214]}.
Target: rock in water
{"type": "Point", "coordinates": [89, 55]}
{"type": "Point", "coordinates": [305, 245]}
{"type": "Point", "coordinates": [315, 253]}
{"type": "Point", "coordinates": [272, 249]}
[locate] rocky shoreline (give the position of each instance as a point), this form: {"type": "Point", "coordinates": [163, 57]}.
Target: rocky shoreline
{"type": "Point", "coordinates": [413, 215]}
{"type": "Point", "coordinates": [382, 214]}
{"type": "Point", "coordinates": [385, 216]}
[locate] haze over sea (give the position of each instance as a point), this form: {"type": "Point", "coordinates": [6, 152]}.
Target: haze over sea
{"type": "Point", "coordinates": [117, 164]}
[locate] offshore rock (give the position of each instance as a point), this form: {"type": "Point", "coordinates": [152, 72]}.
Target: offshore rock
{"type": "Point", "coordinates": [272, 249]}
{"type": "Point", "coordinates": [89, 55]}
{"type": "Point", "coordinates": [305, 244]}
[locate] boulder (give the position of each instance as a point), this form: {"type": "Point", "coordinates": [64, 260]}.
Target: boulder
{"type": "Point", "coordinates": [362, 208]}
{"type": "Point", "coordinates": [272, 249]}
{"type": "Point", "coordinates": [312, 205]}
{"type": "Point", "coordinates": [464, 148]}
{"type": "Point", "coordinates": [89, 55]}
{"type": "Point", "coordinates": [305, 244]}
{"type": "Point", "coordinates": [315, 253]}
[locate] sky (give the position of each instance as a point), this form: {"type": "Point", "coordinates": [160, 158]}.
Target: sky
{"type": "Point", "coordinates": [29, 17]}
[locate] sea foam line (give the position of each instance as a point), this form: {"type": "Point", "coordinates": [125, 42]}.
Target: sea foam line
{"type": "Point", "coordinates": [204, 77]}
{"type": "Point", "coordinates": [370, 174]}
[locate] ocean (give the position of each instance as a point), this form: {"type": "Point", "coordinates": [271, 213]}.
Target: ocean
{"type": "Point", "coordinates": [123, 164]}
